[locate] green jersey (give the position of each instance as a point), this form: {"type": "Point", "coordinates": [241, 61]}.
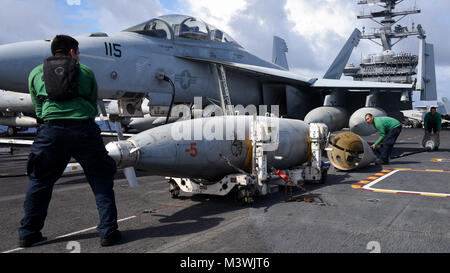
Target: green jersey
{"type": "Point", "coordinates": [384, 125]}
{"type": "Point", "coordinates": [83, 107]}
{"type": "Point", "coordinates": [435, 119]}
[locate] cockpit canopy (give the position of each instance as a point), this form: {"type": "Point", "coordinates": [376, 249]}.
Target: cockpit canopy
{"type": "Point", "coordinates": [182, 27]}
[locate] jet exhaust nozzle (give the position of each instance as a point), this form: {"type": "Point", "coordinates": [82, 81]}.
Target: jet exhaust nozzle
{"type": "Point", "coordinates": [349, 152]}
{"type": "Point", "coordinates": [124, 153]}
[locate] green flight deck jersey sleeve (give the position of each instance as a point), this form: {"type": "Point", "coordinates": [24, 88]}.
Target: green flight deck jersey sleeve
{"type": "Point", "coordinates": [83, 107]}
{"type": "Point", "coordinates": [384, 125]}
{"type": "Point", "coordinates": [436, 118]}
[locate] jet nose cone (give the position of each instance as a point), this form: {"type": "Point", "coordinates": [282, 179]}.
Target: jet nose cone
{"type": "Point", "coordinates": [17, 60]}
{"type": "Point", "coordinates": [123, 152]}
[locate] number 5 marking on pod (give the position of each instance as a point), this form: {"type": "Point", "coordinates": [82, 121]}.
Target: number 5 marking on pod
{"type": "Point", "coordinates": [193, 150]}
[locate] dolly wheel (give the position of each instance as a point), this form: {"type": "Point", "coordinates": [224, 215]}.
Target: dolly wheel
{"type": "Point", "coordinates": [174, 189]}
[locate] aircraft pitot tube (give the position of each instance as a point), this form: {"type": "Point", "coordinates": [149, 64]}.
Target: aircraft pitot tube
{"type": "Point", "coordinates": [349, 151]}
{"type": "Point", "coordinates": [335, 118]}
{"type": "Point", "coordinates": [211, 148]}
{"type": "Point", "coordinates": [358, 124]}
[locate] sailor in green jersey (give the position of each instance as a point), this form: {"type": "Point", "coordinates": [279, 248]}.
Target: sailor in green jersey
{"type": "Point", "coordinates": [64, 94]}
{"type": "Point", "coordinates": [81, 108]}
{"type": "Point", "coordinates": [432, 124]}
{"type": "Point", "coordinates": [389, 130]}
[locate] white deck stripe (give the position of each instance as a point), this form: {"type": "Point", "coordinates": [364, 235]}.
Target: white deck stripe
{"type": "Point", "coordinates": [68, 235]}
{"type": "Point", "coordinates": [380, 179]}
{"type": "Point", "coordinates": [369, 186]}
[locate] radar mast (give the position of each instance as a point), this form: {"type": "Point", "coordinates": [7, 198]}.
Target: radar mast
{"type": "Point", "coordinates": [387, 66]}
{"type": "Point", "coordinates": [387, 18]}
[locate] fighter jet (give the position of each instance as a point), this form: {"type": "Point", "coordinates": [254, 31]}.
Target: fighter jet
{"type": "Point", "coordinates": [174, 58]}
{"type": "Point", "coordinates": [414, 118]}
{"type": "Point", "coordinates": [16, 111]}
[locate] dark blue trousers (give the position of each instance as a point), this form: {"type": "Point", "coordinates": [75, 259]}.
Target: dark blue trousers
{"type": "Point", "coordinates": [388, 143]}
{"type": "Point", "coordinates": [51, 152]}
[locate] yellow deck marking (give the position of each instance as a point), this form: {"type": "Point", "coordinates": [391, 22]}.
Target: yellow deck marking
{"type": "Point", "coordinates": [367, 183]}
{"type": "Point", "coordinates": [433, 195]}
{"type": "Point", "coordinates": [440, 160]}
{"type": "Point", "coordinates": [385, 191]}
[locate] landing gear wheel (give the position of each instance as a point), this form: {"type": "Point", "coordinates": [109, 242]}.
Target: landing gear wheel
{"type": "Point", "coordinates": [174, 189]}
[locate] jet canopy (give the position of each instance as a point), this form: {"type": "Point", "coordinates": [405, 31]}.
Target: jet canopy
{"type": "Point", "coordinates": [182, 27]}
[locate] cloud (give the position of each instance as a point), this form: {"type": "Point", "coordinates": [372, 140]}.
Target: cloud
{"type": "Point", "coordinates": [312, 41]}
{"type": "Point", "coordinates": [320, 19]}
{"type": "Point", "coordinates": [38, 19]}
{"type": "Point", "coordinates": [73, 2]}
{"type": "Point", "coordinates": [217, 13]}
{"type": "Point", "coordinates": [116, 15]}
{"type": "Point", "coordinates": [443, 81]}
{"type": "Point", "coordinates": [314, 30]}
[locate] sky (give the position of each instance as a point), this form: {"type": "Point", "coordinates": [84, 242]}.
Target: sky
{"type": "Point", "coordinates": [314, 30]}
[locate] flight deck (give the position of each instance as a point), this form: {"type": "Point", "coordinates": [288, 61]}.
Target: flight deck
{"type": "Point", "coordinates": [401, 207]}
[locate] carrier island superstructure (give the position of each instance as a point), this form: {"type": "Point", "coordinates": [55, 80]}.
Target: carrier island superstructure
{"type": "Point", "coordinates": [388, 66]}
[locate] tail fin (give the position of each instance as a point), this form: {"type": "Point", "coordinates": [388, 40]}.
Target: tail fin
{"type": "Point", "coordinates": [279, 52]}
{"type": "Point", "coordinates": [446, 105]}
{"type": "Point", "coordinates": [337, 67]}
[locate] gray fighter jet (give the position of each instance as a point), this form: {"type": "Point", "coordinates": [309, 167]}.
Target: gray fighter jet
{"type": "Point", "coordinates": [16, 111]}
{"type": "Point", "coordinates": [18, 114]}
{"type": "Point", "coordinates": [172, 59]}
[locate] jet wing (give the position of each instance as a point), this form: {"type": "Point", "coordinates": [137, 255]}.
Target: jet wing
{"type": "Point", "coordinates": [359, 85]}
{"type": "Point", "coordinates": [282, 76]}
{"type": "Point", "coordinates": [269, 74]}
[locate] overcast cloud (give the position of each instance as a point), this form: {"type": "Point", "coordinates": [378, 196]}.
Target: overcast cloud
{"type": "Point", "coordinates": [32, 19]}
{"type": "Point", "coordinates": [314, 30]}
